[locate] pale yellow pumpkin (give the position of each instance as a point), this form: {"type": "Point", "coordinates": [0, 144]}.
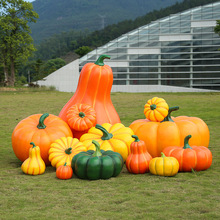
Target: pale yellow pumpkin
{"type": "Point", "coordinates": [164, 166]}
{"type": "Point", "coordinates": [63, 150]}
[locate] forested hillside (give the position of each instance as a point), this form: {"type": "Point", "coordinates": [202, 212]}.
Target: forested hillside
{"type": "Point", "coordinates": [56, 16]}
{"type": "Point", "coordinates": [60, 44]}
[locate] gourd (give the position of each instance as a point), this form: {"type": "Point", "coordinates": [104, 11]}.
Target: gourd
{"type": "Point", "coordinates": [63, 149]}
{"type": "Point", "coordinates": [138, 160]}
{"type": "Point", "coordinates": [64, 172]}
{"type": "Point", "coordinates": [190, 157]}
{"type": "Point", "coordinates": [94, 88]}
{"type": "Point", "coordinates": [98, 164]}
{"type": "Point", "coordinates": [156, 109]}
{"type": "Point", "coordinates": [170, 132]}
{"type": "Point", "coordinates": [40, 129]}
{"type": "Point", "coordinates": [115, 137]}
{"type": "Point", "coordinates": [33, 165]}
{"type": "Point", "coordinates": [164, 166]}
{"type": "Point", "coordinates": [81, 117]}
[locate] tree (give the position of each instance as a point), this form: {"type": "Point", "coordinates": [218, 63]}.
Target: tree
{"type": "Point", "coordinates": [15, 40]}
{"type": "Point", "coordinates": [217, 27]}
{"type": "Point", "coordinates": [81, 51]}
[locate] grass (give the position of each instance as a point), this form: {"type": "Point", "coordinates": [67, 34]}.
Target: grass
{"type": "Point", "coordinates": [128, 196]}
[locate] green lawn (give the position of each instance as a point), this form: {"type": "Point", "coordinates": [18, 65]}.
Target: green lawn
{"type": "Point", "coordinates": [128, 196]}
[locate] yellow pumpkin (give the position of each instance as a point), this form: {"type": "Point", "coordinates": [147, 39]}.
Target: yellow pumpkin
{"type": "Point", "coordinates": [117, 138]}
{"type": "Point", "coordinates": [63, 149]}
{"type": "Point", "coordinates": [164, 166]}
{"type": "Point", "coordinates": [34, 164]}
{"type": "Point", "coordinates": [156, 109]}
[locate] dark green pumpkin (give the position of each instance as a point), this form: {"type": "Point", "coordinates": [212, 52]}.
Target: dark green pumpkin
{"type": "Point", "coordinates": [99, 164]}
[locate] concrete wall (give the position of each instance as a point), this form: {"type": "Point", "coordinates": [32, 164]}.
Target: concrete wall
{"type": "Point", "coordinates": [66, 79]}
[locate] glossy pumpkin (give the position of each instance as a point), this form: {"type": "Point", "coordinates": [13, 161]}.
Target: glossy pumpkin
{"type": "Point", "coordinates": [170, 132]}
{"type": "Point", "coordinates": [98, 164]}
{"type": "Point", "coordinates": [40, 129]}
{"type": "Point", "coordinates": [94, 88]}
{"type": "Point", "coordinates": [63, 149]}
{"type": "Point", "coordinates": [190, 157]}
{"type": "Point", "coordinates": [138, 160]}
{"type": "Point", "coordinates": [64, 172]}
{"type": "Point", "coordinates": [164, 166]}
{"type": "Point", "coordinates": [156, 109]}
{"type": "Point", "coordinates": [80, 118]}
{"type": "Point", "coordinates": [33, 165]}
{"type": "Point", "coordinates": [115, 137]}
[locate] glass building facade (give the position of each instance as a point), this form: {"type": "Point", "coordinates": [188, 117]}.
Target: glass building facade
{"type": "Point", "coordinates": [178, 50]}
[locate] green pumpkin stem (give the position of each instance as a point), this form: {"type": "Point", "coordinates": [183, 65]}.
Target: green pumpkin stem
{"type": "Point", "coordinates": [69, 150]}
{"type": "Point", "coordinates": [100, 60]}
{"type": "Point", "coordinates": [32, 143]}
{"type": "Point", "coordinates": [136, 138]}
{"type": "Point", "coordinates": [41, 124]}
{"type": "Point", "coordinates": [152, 107]}
{"type": "Point", "coordinates": [82, 114]}
{"type": "Point", "coordinates": [106, 134]}
{"type": "Point", "coordinates": [65, 164]}
{"type": "Point", "coordinates": [168, 117]}
{"type": "Point", "coordinates": [97, 152]}
{"type": "Point", "coordinates": [186, 142]}
{"type": "Point", "coordinates": [162, 155]}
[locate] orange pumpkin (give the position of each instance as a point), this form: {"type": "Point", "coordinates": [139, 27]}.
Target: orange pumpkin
{"type": "Point", "coordinates": [94, 88]}
{"type": "Point", "coordinates": [190, 157]}
{"type": "Point", "coordinates": [43, 130]}
{"type": "Point", "coordinates": [64, 172]}
{"type": "Point", "coordinates": [170, 132]}
{"type": "Point", "coordinates": [156, 109]}
{"type": "Point", "coordinates": [80, 118]}
{"type": "Point", "coordinates": [138, 160]}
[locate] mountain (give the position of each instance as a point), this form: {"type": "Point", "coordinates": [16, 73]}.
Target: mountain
{"type": "Point", "coordinates": [57, 16]}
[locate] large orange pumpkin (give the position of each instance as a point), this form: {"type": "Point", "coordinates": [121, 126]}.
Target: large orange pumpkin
{"type": "Point", "coordinates": [43, 130]}
{"type": "Point", "coordinates": [94, 88]}
{"type": "Point", "coordinates": [170, 132]}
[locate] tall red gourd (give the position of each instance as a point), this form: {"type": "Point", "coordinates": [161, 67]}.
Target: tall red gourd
{"type": "Point", "coordinates": [94, 89]}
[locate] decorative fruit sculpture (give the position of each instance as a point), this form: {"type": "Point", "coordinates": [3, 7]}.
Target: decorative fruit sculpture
{"type": "Point", "coordinates": [156, 109]}
{"type": "Point", "coordinates": [80, 118]}
{"type": "Point", "coordinates": [33, 165]}
{"type": "Point", "coordinates": [170, 132]}
{"type": "Point", "coordinates": [138, 160]}
{"type": "Point", "coordinates": [98, 164]}
{"type": "Point", "coordinates": [63, 149]}
{"type": "Point", "coordinates": [115, 137]}
{"type": "Point", "coordinates": [94, 88]}
{"type": "Point", "coordinates": [190, 157]}
{"type": "Point", "coordinates": [64, 172]}
{"type": "Point", "coordinates": [164, 166]}
{"type": "Point", "coordinates": [40, 129]}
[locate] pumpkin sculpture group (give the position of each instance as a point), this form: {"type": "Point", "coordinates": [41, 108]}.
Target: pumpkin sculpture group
{"type": "Point", "coordinates": [89, 140]}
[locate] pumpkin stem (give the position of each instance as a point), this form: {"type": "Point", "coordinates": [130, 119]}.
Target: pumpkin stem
{"type": "Point", "coordinates": [41, 124]}
{"type": "Point", "coordinates": [69, 150]}
{"type": "Point", "coordinates": [168, 117]}
{"type": "Point", "coordinates": [152, 107]}
{"type": "Point", "coordinates": [82, 114]}
{"type": "Point", "coordinates": [101, 58]}
{"type": "Point", "coordinates": [106, 134]}
{"type": "Point", "coordinates": [32, 143]}
{"type": "Point", "coordinates": [65, 164]}
{"type": "Point", "coordinates": [162, 155]}
{"type": "Point", "coordinates": [97, 152]}
{"type": "Point", "coordinates": [186, 142]}
{"type": "Point", "coordinates": [136, 138]}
